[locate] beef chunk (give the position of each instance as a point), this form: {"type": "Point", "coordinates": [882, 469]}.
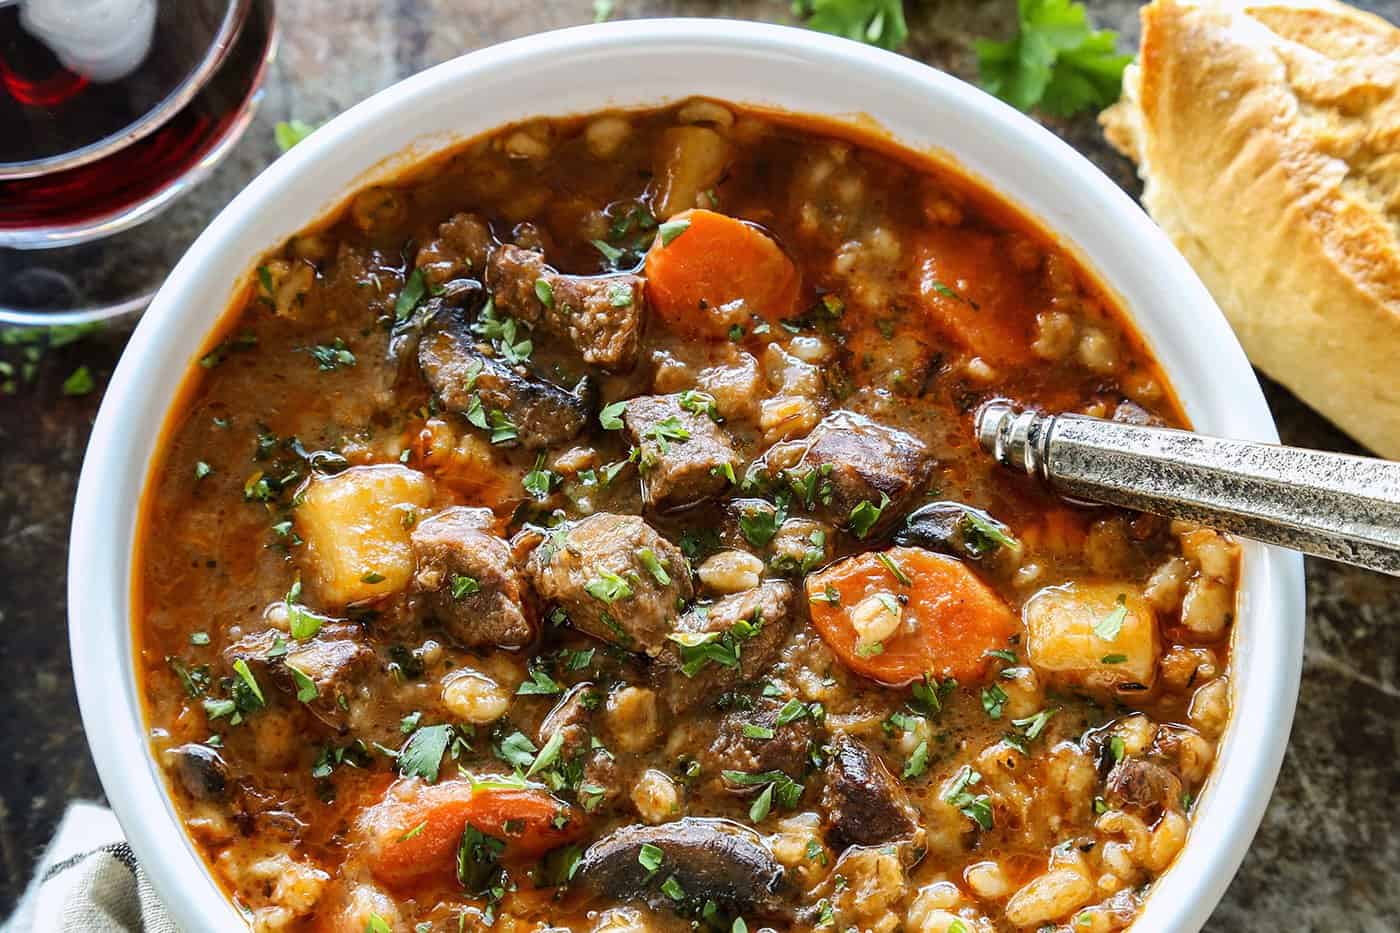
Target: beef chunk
{"type": "Point", "coordinates": [573, 717]}
{"type": "Point", "coordinates": [864, 803]}
{"type": "Point", "coordinates": [735, 749]}
{"type": "Point", "coordinates": [1141, 783]}
{"type": "Point", "coordinates": [485, 388]}
{"type": "Point", "coordinates": [685, 457]}
{"type": "Point", "coordinates": [615, 578]}
{"type": "Point", "coordinates": [459, 249]}
{"type": "Point", "coordinates": [334, 659]}
{"type": "Point", "coordinates": [601, 315]}
{"type": "Point", "coordinates": [856, 461]}
{"type": "Point", "coordinates": [734, 653]}
{"type": "Point", "coordinates": [468, 580]}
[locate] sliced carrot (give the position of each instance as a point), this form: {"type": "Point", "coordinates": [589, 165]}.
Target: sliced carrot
{"type": "Point", "coordinates": [416, 831]}
{"type": "Point", "coordinates": [949, 619]}
{"type": "Point", "coordinates": [967, 293]}
{"type": "Point", "coordinates": [702, 261]}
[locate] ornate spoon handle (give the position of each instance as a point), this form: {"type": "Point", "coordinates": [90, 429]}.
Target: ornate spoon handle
{"type": "Point", "coordinates": [1332, 505]}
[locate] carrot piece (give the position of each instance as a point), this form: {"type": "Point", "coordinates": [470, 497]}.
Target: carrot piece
{"type": "Point", "coordinates": [948, 619]}
{"type": "Point", "coordinates": [414, 832]}
{"type": "Point", "coordinates": [702, 261]}
{"type": "Point", "coordinates": [967, 293]}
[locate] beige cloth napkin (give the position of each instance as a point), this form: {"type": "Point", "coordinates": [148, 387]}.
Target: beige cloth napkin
{"type": "Point", "coordinates": [88, 881]}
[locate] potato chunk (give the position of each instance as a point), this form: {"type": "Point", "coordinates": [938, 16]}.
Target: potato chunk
{"type": "Point", "coordinates": [357, 536]}
{"type": "Point", "coordinates": [1092, 634]}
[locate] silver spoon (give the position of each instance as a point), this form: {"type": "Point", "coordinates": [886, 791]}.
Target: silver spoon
{"type": "Point", "coordinates": [1336, 506]}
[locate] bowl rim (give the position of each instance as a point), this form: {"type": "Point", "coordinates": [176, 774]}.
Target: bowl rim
{"type": "Point", "coordinates": [1187, 333]}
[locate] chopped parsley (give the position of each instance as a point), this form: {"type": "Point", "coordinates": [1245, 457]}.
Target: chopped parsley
{"type": "Point", "coordinates": [1110, 625]}
{"type": "Point", "coordinates": [976, 807]}
{"type": "Point", "coordinates": [981, 536]}
{"type": "Point", "coordinates": [865, 515]}
{"type": "Point", "coordinates": [752, 731]}
{"type": "Point", "coordinates": [539, 481]}
{"type": "Point", "coordinates": [611, 416]}
{"type": "Point", "coordinates": [994, 700]}
{"type": "Point", "coordinates": [332, 356]}
{"type": "Point", "coordinates": [202, 469]}
{"type": "Point", "coordinates": [672, 229]}
{"type": "Point", "coordinates": [620, 295]}
{"type": "Point", "coordinates": [461, 586]}
{"type": "Point", "coordinates": [539, 684]}
{"type": "Point", "coordinates": [776, 786]}
{"type": "Point", "coordinates": [80, 382]}
{"type": "Point", "coordinates": [650, 857]}
{"type": "Point", "coordinates": [410, 295]}
{"type": "Point", "coordinates": [917, 763]}
{"type": "Point", "coordinates": [421, 755]}
{"type": "Point", "coordinates": [306, 687]}
{"type": "Point", "coordinates": [723, 648]}
{"type": "Point", "coordinates": [544, 291]}
{"type": "Point", "coordinates": [608, 587]}
{"type": "Point", "coordinates": [648, 560]}
{"type": "Point", "coordinates": [895, 570]}
{"type": "Point", "coordinates": [667, 430]}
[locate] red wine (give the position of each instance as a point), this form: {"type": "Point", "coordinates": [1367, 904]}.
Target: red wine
{"type": "Point", "coordinates": [60, 113]}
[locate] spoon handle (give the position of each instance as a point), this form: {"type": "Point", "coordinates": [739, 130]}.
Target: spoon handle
{"type": "Point", "coordinates": [1336, 506]}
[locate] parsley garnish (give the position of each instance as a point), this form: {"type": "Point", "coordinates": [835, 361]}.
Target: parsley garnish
{"type": "Point", "coordinates": [332, 356]}
{"type": "Point", "coordinates": [917, 763]}
{"type": "Point", "coordinates": [608, 587]}
{"type": "Point", "coordinates": [421, 755]}
{"type": "Point", "coordinates": [611, 416]}
{"type": "Point", "coordinates": [539, 481]}
{"type": "Point", "coordinates": [306, 687]}
{"type": "Point", "coordinates": [1055, 62]}
{"type": "Point", "coordinates": [653, 566]}
{"type": "Point", "coordinates": [539, 684]}
{"type": "Point", "coordinates": [874, 22]}
{"type": "Point", "coordinates": [410, 295]}
{"type": "Point", "coordinates": [1110, 625]}
{"type": "Point", "coordinates": [672, 229]}
{"type": "Point", "coordinates": [777, 786]}
{"type": "Point", "coordinates": [977, 808]}
{"type": "Point", "coordinates": [994, 700]}
{"type": "Point", "coordinates": [287, 134]}
{"type": "Point", "coordinates": [865, 515]}
{"type": "Point", "coordinates": [79, 383]}
{"type": "Point", "coordinates": [462, 586]}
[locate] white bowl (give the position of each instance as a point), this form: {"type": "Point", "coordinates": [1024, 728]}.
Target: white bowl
{"type": "Point", "coordinates": [651, 62]}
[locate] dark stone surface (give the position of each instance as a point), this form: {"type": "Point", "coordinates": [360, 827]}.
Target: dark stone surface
{"type": "Point", "coordinates": [1329, 849]}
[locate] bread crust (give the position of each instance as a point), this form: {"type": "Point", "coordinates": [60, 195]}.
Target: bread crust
{"type": "Point", "coordinates": [1268, 138]}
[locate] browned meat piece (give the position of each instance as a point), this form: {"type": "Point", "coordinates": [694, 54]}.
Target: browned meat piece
{"type": "Point", "coordinates": [468, 580]}
{"type": "Point", "coordinates": [459, 248]}
{"type": "Point", "coordinates": [572, 716]}
{"type": "Point", "coordinates": [857, 461]}
{"type": "Point", "coordinates": [1141, 783]}
{"type": "Point", "coordinates": [710, 859]}
{"type": "Point", "coordinates": [334, 660]}
{"type": "Point", "coordinates": [753, 741]}
{"type": "Point", "coordinates": [469, 381]}
{"type": "Point", "coordinates": [732, 653]}
{"type": "Point", "coordinates": [601, 315]}
{"type": "Point", "coordinates": [685, 457]}
{"type": "Point", "coordinates": [615, 578]}
{"type": "Point", "coordinates": [864, 803]}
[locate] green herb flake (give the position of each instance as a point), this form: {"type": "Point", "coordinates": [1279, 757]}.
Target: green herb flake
{"type": "Point", "coordinates": [994, 700]}
{"type": "Point", "coordinates": [80, 382]}
{"type": "Point", "coordinates": [287, 134]}
{"type": "Point", "coordinates": [306, 687]}
{"type": "Point", "coordinates": [461, 586]}
{"type": "Point", "coordinates": [202, 469]}
{"type": "Point", "coordinates": [620, 295]}
{"type": "Point", "coordinates": [608, 587]}
{"type": "Point", "coordinates": [1055, 61]}
{"type": "Point", "coordinates": [917, 763]}
{"type": "Point", "coordinates": [611, 416]}
{"type": "Point", "coordinates": [1110, 625]}
{"type": "Point", "coordinates": [649, 560]}
{"type": "Point", "coordinates": [895, 570]}
{"type": "Point", "coordinates": [410, 295]}
{"type": "Point", "coordinates": [650, 857]}
{"type": "Point", "coordinates": [240, 667]}
{"type": "Point", "coordinates": [421, 755]}
{"type": "Point", "coordinates": [752, 731]}
{"type": "Point", "coordinates": [865, 515]}
{"type": "Point", "coordinates": [672, 229]}
{"type": "Point", "coordinates": [539, 684]}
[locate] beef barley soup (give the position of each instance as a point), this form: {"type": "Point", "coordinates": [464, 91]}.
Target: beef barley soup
{"type": "Point", "coordinates": [584, 531]}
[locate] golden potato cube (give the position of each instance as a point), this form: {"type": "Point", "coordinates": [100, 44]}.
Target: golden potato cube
{"type": "Point", "coordinates": [1092, 634]}
{"type": "Point", "coordinates": [356, 526]}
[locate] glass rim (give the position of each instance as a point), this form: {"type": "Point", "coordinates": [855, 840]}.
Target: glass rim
{"type": "Point", "coordinates": [235, 14]}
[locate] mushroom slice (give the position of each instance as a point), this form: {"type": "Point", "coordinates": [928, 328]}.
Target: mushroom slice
{"type": "Point", "coordinates": [700, 859]}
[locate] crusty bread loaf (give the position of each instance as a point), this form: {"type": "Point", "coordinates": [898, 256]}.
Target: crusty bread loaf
{"type": "Point", "coordinates": [1268, 137]}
